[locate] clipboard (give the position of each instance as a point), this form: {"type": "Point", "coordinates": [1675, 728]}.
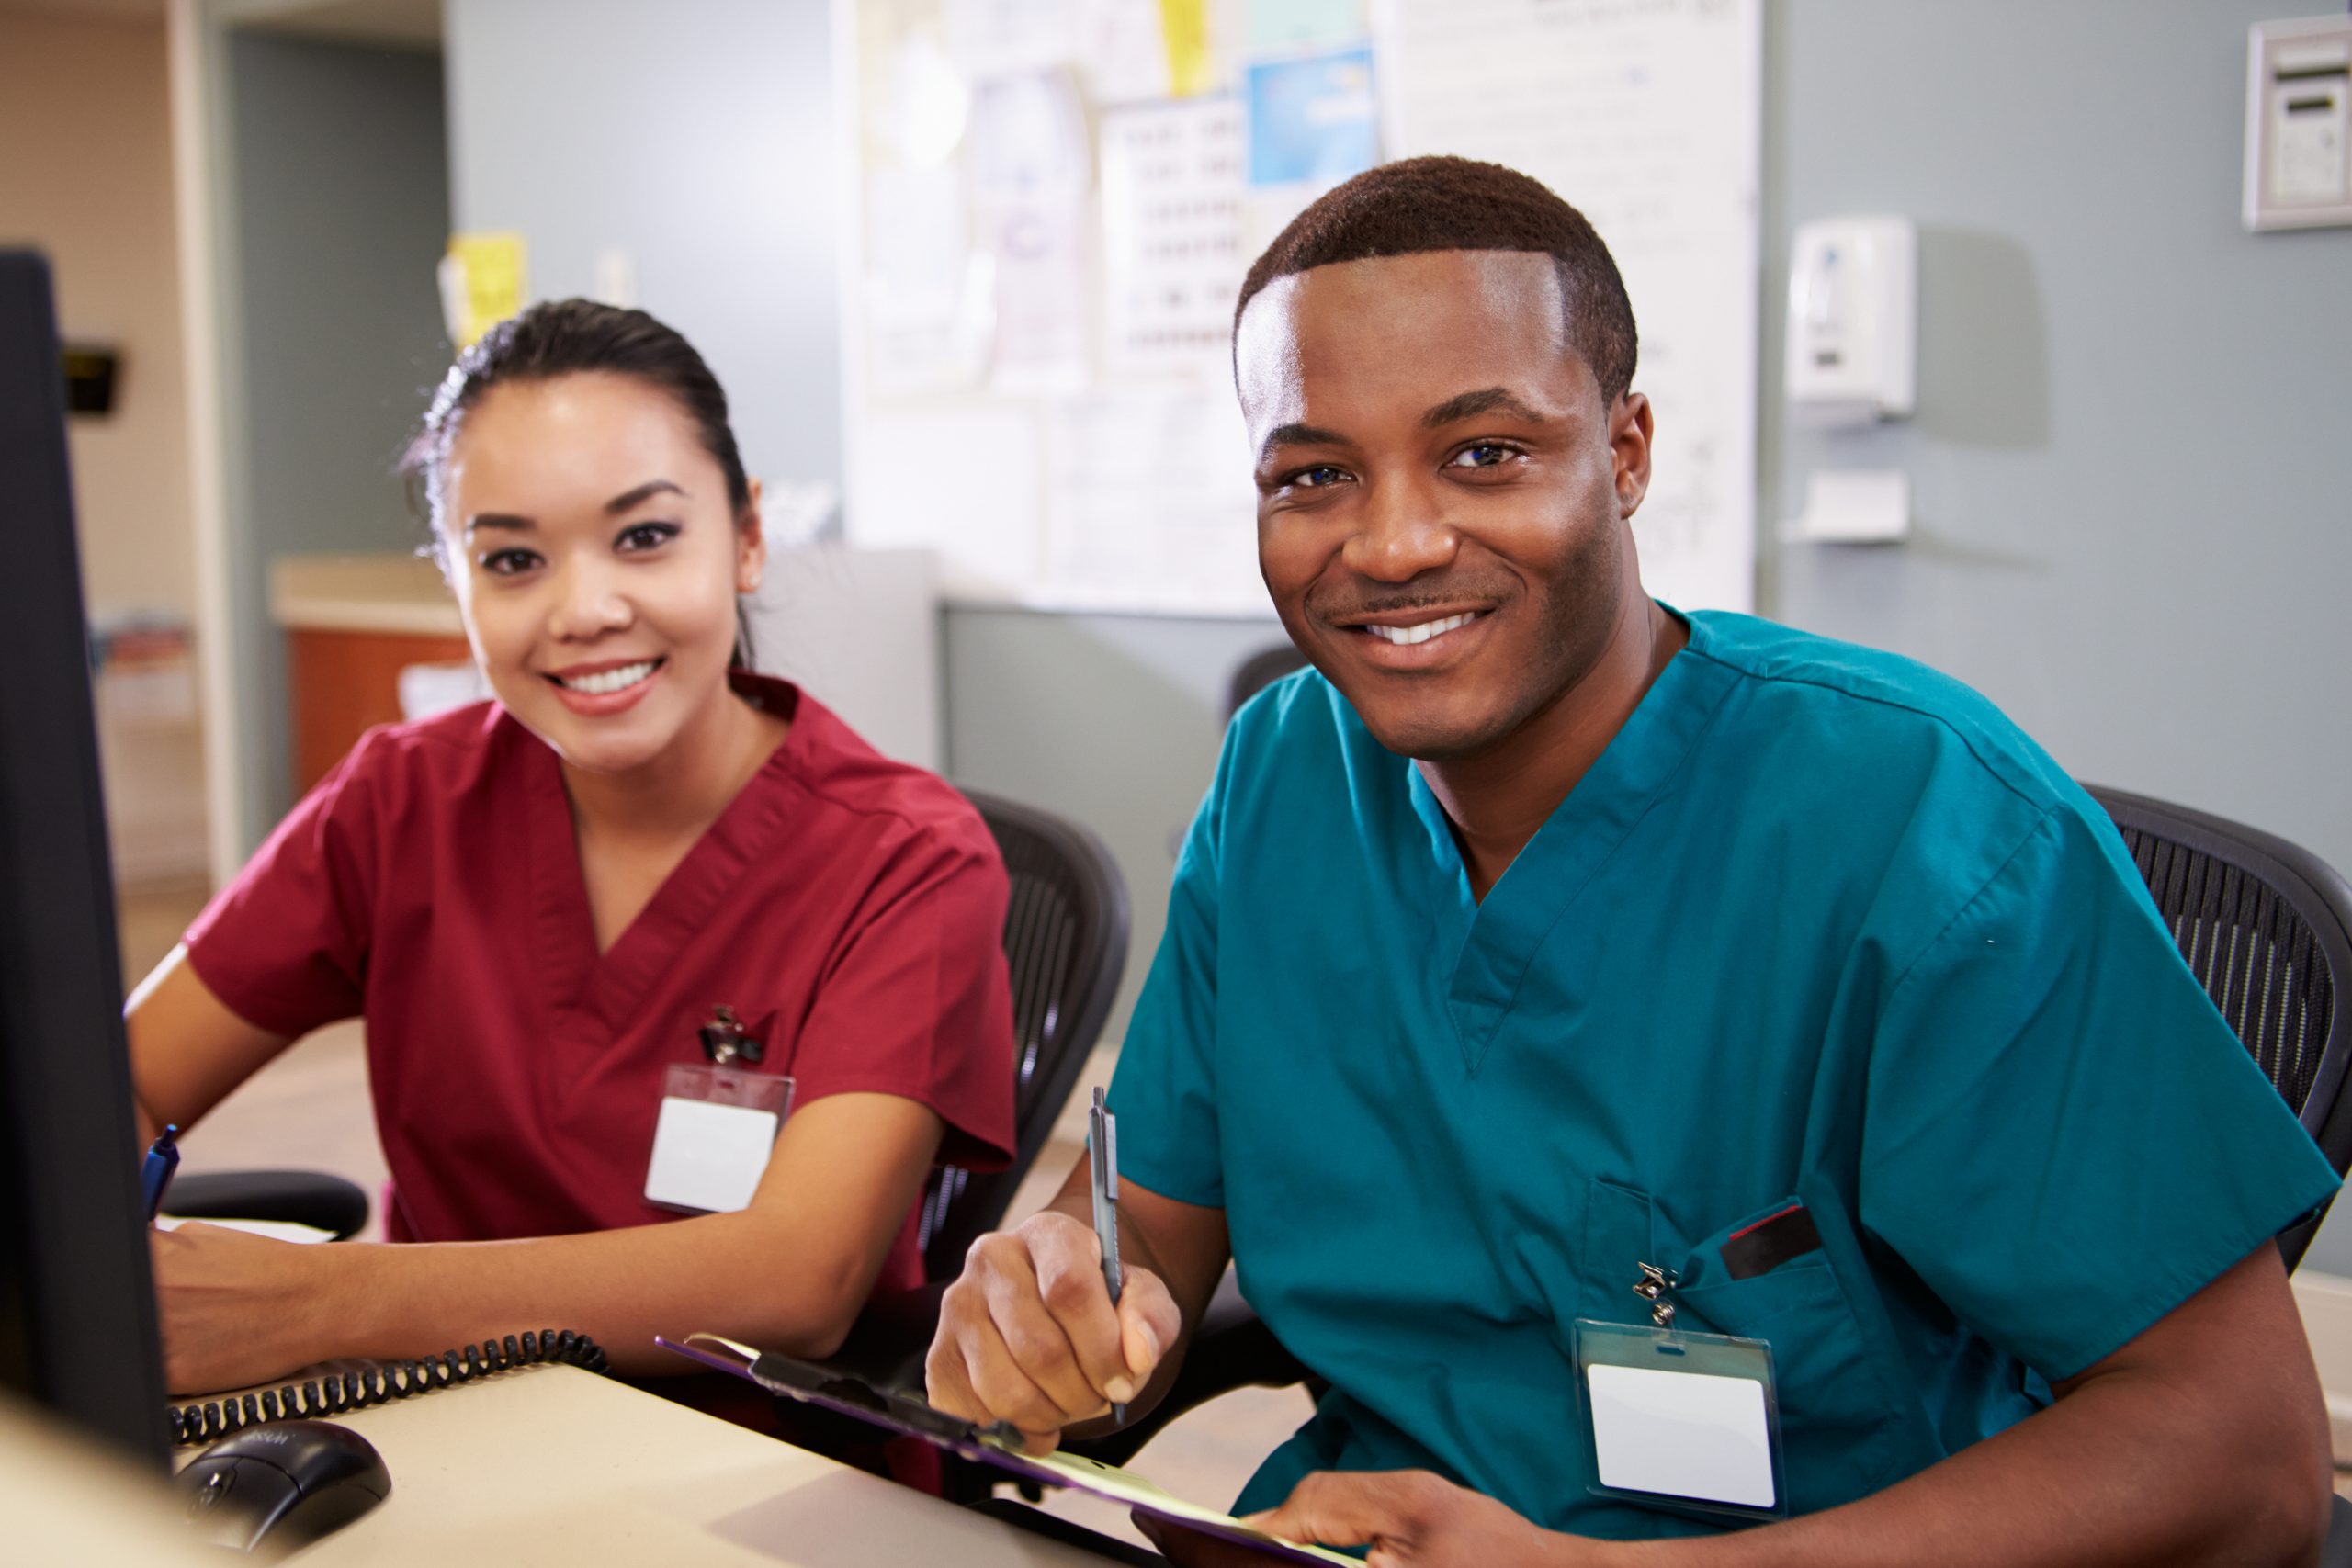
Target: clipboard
{"type": "Point", "coordinates": [997, 1444]}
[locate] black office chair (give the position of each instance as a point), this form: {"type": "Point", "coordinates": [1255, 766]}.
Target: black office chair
{"type": "Point", "coordinates": [1260, 670]}
{"type": "Point", "coordinates": [1066, 945]}
{"type": "Point", "coordinates": [2265, 925]}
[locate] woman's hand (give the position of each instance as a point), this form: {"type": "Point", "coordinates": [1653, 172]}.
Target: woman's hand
{"type": "Point", "coordinates": [1410, 1518]}
{"type": "Point", "coordinates": [238, 1309]}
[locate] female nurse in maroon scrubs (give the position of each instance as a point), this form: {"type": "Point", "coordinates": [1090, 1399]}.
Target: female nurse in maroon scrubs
{"type": "Point", "coordinates": [539, 904]}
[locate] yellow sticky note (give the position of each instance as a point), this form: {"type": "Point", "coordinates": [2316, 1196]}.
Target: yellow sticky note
{"type": "Point", "coordinates": [483, 281]}
{"type": "Point", "coordinates": [1186, 25]}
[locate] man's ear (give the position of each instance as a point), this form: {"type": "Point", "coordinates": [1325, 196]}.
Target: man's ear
{"type": "Point", "coordinates": [1630, 430]}
{"type": "Point", "coordinates": [751, 544]}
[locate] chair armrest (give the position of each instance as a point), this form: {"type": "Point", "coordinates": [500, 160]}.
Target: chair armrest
{"type": "Point", "coordinates": [304, 1197]}
{"type": "Point", "coordinates": [887, 1344]}
{"type": "Point", "coordinates": [2337, 1552]}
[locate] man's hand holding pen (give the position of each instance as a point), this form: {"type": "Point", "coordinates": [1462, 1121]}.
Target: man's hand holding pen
{"type": "Point", "coordinates": [1029, 1333]}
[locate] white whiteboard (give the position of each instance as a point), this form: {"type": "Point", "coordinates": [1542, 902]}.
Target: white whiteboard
{"type": "Point", "coordinates": [1044, 244]}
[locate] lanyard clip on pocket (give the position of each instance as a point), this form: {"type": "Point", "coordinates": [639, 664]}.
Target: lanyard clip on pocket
{"type": "Point", "coordinates": [1657, 1287]}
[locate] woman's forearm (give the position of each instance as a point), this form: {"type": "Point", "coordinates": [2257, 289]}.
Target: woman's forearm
{"type": "Point", "coordinates": [743, 1275]}
{"type": "Point", "coordinates": [788, 1273]}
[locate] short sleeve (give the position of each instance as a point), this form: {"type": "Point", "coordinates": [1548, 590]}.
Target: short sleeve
{"type": "Point", "coordinates": [285, 945]}
{"type": "Point", "coordinates": [1165, 1091]}
{"type": "Point", "coordinates": [2063, 1137]}
{"type": "Point", "coordinates": [916, 1001]}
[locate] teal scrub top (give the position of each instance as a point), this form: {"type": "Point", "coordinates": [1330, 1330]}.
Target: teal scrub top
{"type": "Point", "coordinates": [1819, 925]}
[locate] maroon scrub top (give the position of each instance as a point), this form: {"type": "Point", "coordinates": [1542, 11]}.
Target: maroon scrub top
{"type": "Point", "coordinates": [848, 908]}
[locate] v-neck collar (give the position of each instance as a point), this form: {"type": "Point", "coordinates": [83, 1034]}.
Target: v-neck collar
{"type": "Point", "coordinates": [593, 997]}
{"type": "Point", "coordinates": [1503, 933]}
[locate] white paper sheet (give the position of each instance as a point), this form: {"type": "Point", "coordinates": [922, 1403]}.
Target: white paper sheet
{"type": "Point", "coordinates": [1646, 115]}
{"type": "Point", "coordinates": [926, 298]}
{"type": "Point", "coordinates": [1150, 504]}
{"type": "Point", "coordinates": [1171, 237]}
{"type": "Point", "coordinates": [963, 479]}
{"type": "Point", "coordinates": [1030, 165]}
{"type": "Point", "coordinates": [276, 1230]}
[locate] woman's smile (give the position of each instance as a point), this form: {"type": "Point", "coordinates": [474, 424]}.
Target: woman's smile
{"type": "Point", "coordinates": [609, 686]}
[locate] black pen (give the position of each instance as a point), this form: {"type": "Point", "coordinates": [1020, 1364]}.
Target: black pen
{"type": "Point", "coordinates": [1102, 1165]}
{"type": "Point", "coordinates": [156, 1173]}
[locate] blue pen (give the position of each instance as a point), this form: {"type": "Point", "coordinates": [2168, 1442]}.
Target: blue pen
{"type": "Point", "coordinates": [1102, 1165]}
{"type": "Point", "coordinates": [156, 1175]}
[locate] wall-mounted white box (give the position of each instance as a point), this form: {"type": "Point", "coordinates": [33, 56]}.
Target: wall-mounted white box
{"type": "Point", "coordinates": [2299, 123]}
{"type": "Point", "coordinates": [1854, 322]}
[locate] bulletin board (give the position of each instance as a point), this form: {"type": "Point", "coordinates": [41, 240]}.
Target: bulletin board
{"type": "Point", "coordinates": [1053, 202]}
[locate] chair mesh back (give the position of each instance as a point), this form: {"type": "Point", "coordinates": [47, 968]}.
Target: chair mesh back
{"type": "Point", "coordinates": [2266, 927]}
{"type": "Point", "coordinates": [1041, 935]}
{"type": "Point", "coordinates": [1258, 671]}
{"type": "Point", "coordinates": [1064, 945]}
{"type": "Point", "coordinates": [2258, 958]}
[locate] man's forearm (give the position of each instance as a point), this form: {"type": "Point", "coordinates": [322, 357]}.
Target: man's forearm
{"type": "Point", "coordinates": [2125, 1471]}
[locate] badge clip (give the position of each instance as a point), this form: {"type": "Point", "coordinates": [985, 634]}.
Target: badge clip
{"type": "Point", "coordinates": [724, 1041]}
{"type": "Point", "coordinates": [1657, 1287]}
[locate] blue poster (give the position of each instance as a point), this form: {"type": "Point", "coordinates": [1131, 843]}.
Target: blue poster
{"type": "Point", "coordinates": [1313, 119]}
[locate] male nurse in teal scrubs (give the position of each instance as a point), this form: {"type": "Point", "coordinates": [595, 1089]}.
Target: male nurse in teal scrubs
{"type": "Point", "coordinates": [1541, 931]}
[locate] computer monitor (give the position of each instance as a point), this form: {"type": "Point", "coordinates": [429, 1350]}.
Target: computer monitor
{"type": "Point", "coordinates": [78, 1307]}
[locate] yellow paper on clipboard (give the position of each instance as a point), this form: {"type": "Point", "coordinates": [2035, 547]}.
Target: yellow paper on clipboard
{"type": "Point", "coordinates": [483, 280]}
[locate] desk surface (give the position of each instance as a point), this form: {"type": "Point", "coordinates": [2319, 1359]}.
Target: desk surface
{"type": "Point", "coordinates": [557, 1466]}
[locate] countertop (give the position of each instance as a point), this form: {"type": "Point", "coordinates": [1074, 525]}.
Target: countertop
{"type": "Point", "coordinates": [402, 594]}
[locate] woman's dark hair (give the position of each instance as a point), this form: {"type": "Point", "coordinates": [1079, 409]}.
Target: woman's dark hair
{"type": "Point", "coordinates": [571, 337]}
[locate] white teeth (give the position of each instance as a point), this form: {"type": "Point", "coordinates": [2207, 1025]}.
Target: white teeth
{"type": "Point", "coordinates": [1405, 636]}
{"type": "Point", "coordinates": [604, 683]}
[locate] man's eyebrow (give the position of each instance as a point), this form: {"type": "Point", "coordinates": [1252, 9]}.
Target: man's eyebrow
{"type": "Point", "coordinates": [1296, 435]}
{"type": "Point", "coordinates": [644, 492]}
{"type": "Point", "coordinates": [1470, 405]}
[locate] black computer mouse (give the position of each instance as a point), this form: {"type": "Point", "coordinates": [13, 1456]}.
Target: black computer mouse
{"type": "Point", "coordinates": [282, 1486]}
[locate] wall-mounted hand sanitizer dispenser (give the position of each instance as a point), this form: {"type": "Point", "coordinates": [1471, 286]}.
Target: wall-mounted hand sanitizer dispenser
{"type": "Point", "coordinates": [1854, 322]}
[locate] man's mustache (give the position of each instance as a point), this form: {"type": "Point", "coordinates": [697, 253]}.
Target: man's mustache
{"type": "Point", "coordinates": [1447, 593]}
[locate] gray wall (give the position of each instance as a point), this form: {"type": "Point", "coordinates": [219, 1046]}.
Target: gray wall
{"type": "Point", "coordinates": [337, 207]}
{"type": "Point", "coordinates": [1113, 720]}
{"type": "Point", "coordinates": [2129, 463]}
{"type": "Point", "coordinates": [696, 136]}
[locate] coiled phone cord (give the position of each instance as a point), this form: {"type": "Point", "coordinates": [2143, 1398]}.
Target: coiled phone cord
{"type": "Point", "coordinates": [381, 1383]}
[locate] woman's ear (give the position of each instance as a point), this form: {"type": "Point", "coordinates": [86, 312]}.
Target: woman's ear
{"type": "Point", "coordinates": [750, 546]}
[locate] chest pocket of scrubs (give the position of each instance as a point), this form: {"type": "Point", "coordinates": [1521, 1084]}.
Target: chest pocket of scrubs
{"type": "Point", "coordinates": [1839, 1417]}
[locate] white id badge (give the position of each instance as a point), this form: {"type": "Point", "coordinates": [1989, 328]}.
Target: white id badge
{"type": "Point", "coordinates": [1682, 1421]}
{"type": "Point", "coordinates": [711, 1143]}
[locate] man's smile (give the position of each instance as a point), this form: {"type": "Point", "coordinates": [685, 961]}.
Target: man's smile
{"type": "Point", "coordinates": [1420, 631]}
{"type": "Point", "coordinates": [1414, 639]}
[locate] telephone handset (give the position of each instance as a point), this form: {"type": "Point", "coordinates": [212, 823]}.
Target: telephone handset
{"type": "Point", "coordinates": [380, 1382]}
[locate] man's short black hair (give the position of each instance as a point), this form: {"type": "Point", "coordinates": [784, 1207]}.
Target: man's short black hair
{"type": "Point", "coordinates": [1417, 205]}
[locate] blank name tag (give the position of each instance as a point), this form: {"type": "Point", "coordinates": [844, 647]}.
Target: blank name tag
{"type": "Point", "coordinates": [1686, 1422]}
{"type": "Point", "coordinates": [707, 1156]}
{"type": "Point", "coordinates": [1682, 1434]}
